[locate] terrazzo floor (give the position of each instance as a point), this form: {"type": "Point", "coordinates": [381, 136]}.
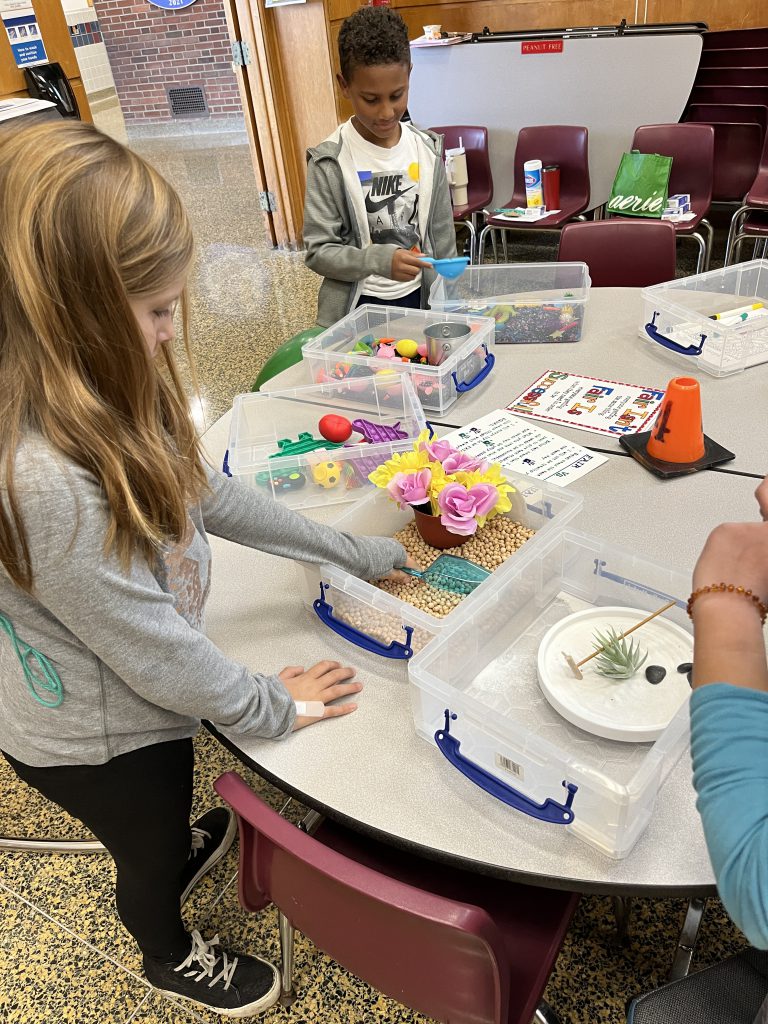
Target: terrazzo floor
{"type": "Point", "coordinates": [64, 955]}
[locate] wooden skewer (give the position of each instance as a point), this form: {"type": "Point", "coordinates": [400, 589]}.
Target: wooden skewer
{"type": "Point", "coordinates": [575, 666]}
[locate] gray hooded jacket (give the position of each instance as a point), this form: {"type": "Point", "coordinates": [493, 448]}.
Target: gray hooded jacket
{"type": "Point", "coordinates": [336, 233]}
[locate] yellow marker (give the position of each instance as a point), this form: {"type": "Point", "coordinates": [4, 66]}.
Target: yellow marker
{"type": "Point", "coordinates": [736, 312]}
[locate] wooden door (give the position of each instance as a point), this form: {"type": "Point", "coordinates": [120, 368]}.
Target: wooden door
{"type": "Point", "coordinates": [287, 95]}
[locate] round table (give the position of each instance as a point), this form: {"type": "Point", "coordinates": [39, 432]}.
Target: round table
{"type": "Point", "coordinates": [370, 769]}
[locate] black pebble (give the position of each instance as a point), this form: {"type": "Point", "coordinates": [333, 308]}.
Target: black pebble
{"type": "Point", "coordinates": [655, 673]}
{"type": "Point", "coordinates": [685, 667]}
{"type": "Point", "coordinates": [688, 677]}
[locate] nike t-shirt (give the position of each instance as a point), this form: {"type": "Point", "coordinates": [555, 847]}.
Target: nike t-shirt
{"type": "Point", "coordinates": [389, 179]}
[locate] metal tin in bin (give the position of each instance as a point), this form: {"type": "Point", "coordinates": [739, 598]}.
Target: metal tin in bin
{"type": "Point", "coordinates": [442, 338]}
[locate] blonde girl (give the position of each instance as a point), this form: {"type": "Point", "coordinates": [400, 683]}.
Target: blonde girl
{"type": "Point", "coordinates": [105, 506]}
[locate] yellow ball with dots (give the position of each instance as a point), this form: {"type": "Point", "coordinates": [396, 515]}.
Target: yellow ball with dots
{"type": "Point", "coordinates": [327, 474]}
{"type": "Point", "coordinates": [406, 347]}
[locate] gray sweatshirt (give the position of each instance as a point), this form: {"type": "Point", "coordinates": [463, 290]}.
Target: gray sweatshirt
{"type": "Point", "coordinates": [130, 647]}
{"type": "Point", "coordinates": [336, 231]}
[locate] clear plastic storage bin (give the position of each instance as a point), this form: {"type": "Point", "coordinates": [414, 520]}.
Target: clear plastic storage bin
{"type": "Point", "coordinates": [483, 671]}
{"type": "Point", "coordinates": [531, 303]}
{"type": "Point", "coordinates": [261, 421]}
{"type": "Point", "coordinates": [677, 315]}
{"type": "Point", "coordinates": [465, 363]}
{"type": "Point", "coordinates": [382, 623]}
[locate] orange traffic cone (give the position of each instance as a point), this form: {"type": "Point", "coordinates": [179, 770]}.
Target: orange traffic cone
{"type": "Point", "coordinates": [678, 436]}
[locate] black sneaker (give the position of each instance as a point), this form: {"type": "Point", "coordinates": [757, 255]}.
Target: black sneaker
{"type": "Point", "coordinates": [234, 986]}
{"type": "Point", "coordinates": [212, 836]}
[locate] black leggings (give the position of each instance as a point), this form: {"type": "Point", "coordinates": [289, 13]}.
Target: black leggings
{"type": "Point", "coordinates": [138, 806]}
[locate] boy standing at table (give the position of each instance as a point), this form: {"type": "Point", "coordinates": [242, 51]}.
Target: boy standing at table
{"type": "Point", "coordinates": [377, 194]}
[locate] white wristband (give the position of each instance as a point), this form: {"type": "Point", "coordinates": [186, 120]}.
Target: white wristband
{"type": "Point", "coordinates": [310, 708]}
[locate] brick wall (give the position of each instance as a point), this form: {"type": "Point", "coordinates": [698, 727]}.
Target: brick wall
{"type": "Point", "coordinates": [150, 48]}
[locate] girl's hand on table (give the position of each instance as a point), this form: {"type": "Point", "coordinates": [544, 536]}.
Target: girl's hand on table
{"type": "Point", "coordinates": [325, 682]}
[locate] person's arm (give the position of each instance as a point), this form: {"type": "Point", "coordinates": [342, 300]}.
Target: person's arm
{"type": "Point", "coordinates": [247, 516]}
{"type": "Point", "coordinates": [729, 721]}
{"type": "Point", "coordinates": [326, 252]}
{"type": "Point", "coordinates": [729, 745]}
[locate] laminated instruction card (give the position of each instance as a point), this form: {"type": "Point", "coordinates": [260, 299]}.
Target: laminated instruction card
{"type": "Point", "coordinates": [589, 403]}
{"type": "Point", "coordinates": [524, 448]}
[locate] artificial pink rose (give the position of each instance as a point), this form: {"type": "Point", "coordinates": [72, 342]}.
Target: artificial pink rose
{"type": "Point", "coordinates": [438, 450]}
{"type": "Point", "coordinates": [460, 462]}
{"type": "Point", "coordinates": [410, 488]}
{"type": "Point", "coordinates": [460, 508]}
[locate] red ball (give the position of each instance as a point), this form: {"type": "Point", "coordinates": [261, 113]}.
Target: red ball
{"type": "Point", "coordinates": [335, 428]}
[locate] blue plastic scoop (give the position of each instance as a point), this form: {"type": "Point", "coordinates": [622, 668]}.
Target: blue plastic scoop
{"type": "Point", "coordinates": [451, 268]}
{"type": "Point", "coordinates": [451, 573]}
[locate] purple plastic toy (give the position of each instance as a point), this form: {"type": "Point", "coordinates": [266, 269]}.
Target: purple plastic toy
{"type": "Point", "coordinates": [374, 432]}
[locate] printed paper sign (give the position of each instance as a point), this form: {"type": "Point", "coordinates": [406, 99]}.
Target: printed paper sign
{"type": "Point", "coordinates": [589, 403]}
{"type": "Point", "coordinates": [23, 33]}
{"type": "Point", "coordinates": [524, 448]}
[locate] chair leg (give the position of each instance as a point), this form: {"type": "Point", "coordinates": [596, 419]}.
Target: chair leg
{"type": "Point", "coordinates": [481, 244]}
{"type": "Point", "coordinates": [504, 248]}
{"type": "Point", "coordinates": [545, 1014]}
{"type": "Point", "coordinates": [710, 240]}
{"type": "Point", "coordinates": [469, 224]}
{"type": "Point", "coordinates": [701, 261]}
{"type": "Point", "coordinates": [732, 232]}
{"type": "Point", "coordinates": [288, 995]}
{"type": "Point", "coordinates": [493, 246]}
{"type": "Point", "coordinates": [622, 910]}
{"type": "Point", "coordinates": [686, 943]}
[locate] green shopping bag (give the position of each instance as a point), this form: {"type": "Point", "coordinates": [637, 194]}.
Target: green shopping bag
{"type": "Point", "coordinates": [640, 186]}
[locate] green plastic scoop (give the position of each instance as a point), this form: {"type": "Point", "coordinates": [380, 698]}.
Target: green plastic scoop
{"type": "Point", "coordinates": [451, 573]}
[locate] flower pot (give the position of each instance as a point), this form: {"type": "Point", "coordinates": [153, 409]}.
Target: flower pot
{"type": "Point", "coordinates": [435, 534]}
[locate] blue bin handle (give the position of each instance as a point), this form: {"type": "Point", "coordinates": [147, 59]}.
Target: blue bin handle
{"type": "Point", "coordinates": [467, 385]}
{"type": "Point", "coordinates": [550, 810]}
{"type": "Point", "coordinates": [653, 333]}
{"type": "Point", "coordinates": [324, 612]}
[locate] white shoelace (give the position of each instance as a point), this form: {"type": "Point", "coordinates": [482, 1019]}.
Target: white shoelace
{"type": "Point", "coordinates": [203, 954]}
{"type": "Point", "coordinates": [199, 835]}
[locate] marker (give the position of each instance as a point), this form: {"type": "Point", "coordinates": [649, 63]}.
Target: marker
{"type": "Point", "coordinates": [752, 314]}
{"type": "Point", "coordinates": [734, 312]}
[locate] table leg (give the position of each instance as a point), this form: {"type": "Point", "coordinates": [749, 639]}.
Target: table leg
{"type": "Point", "coordinates": [622, 909]}
{"type": "Point", "coordinates": [686, 943]}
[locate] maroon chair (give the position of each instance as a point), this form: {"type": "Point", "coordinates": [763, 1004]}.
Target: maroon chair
{"type": "Point", "coordinates": [751, 219]}
{"type": "Point", "coordinates": [729, 39]}
{"type": "Point", "coordinates": [730, 94]}
{"type": "Point", "coordinates": [459, 947]}
{"type": "Point", "coordinates": [735, 75]}
{"type": "Point", "coordinates": [730, 113]}
{"type": "Point", "coordinates": [621, 253]}
{"type": "Point", "coordinates": [692, 148]}
{"type": "Point", "coordinates": [474, 139]}
{"type": "Point", "coordinates": [746, 57]}
{"type": "Point", "coordinates": [562, 144]}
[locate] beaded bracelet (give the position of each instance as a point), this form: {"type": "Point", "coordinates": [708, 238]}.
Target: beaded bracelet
{"type": "Point", "coordinates": [729, 588]}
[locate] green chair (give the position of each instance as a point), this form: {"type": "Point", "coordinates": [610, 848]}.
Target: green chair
{"type": "Point", "coordinates": [287, 355]}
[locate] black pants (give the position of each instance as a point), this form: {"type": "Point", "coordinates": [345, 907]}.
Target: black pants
{"type": "Point", "coordinates": [410, 301]}
{"type": "Point", "coordinates": [138, 806]}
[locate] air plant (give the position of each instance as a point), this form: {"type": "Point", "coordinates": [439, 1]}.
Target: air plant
{"type": "Point", "coordinates": [618, 658]}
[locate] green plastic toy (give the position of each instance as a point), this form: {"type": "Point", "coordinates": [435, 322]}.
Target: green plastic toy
{"type": "Point", "coordinates": [305, 443]}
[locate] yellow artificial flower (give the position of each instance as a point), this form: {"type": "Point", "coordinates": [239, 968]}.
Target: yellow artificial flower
{"type": "Point", "coordinates": [492, 475]}
{"type": "Point", "coordinates": [401, 462]}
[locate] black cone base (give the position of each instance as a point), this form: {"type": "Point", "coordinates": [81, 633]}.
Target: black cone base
{"type": "Point", "coordinates": [635, 444]}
